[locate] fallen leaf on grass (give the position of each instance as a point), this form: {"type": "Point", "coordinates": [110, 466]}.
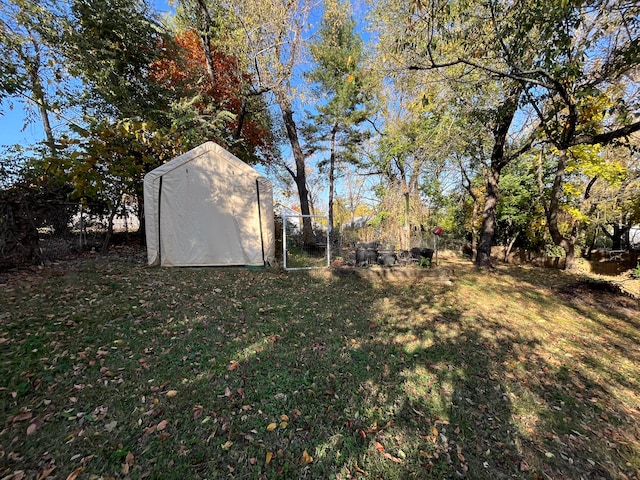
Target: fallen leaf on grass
{"type": "Point", "coordinates": [172, 393]}
{"type": "Point", "coordinates": [388, 456]}
{"type": "Point", "coordinates": [268, 457]}
{"type": "Point", "coordinates": [162, 425]}
{"type": "Point", "coordinates": [271, 426]}
{"type": "Point", "coordinates": [31, 429]}
{"type": "Point", "coordinates": [73, 475]}
{"type": "Point", "coordinates": [233, 365]}
{"type": "Point", "coordinates": [379, 446]}
{"type": "Point", "coordinates": [306, 458]}
{"type": "Point", "coordinates": [22, 416]}
{"type": "Point", "coordinates": [197, 411]}
{"type": "Point", "coordinates": [46, 472]}
{"type": "Point", "coordinates": [459, 454]}
{"type": "Point", "coordinates": [150, 430]}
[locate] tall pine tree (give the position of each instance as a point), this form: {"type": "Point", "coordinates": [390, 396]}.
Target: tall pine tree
{"type": "Point", "coordinates": [344, 90]}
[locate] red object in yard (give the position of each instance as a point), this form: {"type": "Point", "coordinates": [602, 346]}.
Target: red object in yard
{"type": "Point", "coordinates": [437, 231]}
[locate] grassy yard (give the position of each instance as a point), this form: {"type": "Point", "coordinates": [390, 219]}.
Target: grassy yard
{"type": "Point", "coordinates": [110, 369]}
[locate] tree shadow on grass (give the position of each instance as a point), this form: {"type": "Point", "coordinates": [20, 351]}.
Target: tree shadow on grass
{"type": "Point", "coordinates": [276, 375]}
{"type": "Point", "coordinates": [586, 372]}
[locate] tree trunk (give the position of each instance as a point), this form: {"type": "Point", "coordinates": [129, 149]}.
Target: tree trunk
{"type": "Point", "coordinates": [507, 252]}
{"type": "Point", "coordinates": [552, 211]}
{"type": "Point", "coordinates": [107, 238]}
{"type": "Point", "coordinates": [37, 90]}
{"type": "Point", "coordinates": [300, 175]}
{"type": "Point", "coordinates": [617, 235]}
{"type": "Point", "coordinates": [505, 114]}
{"type": "Point", "coordinates": [332, 165]}
{"type": "Point", "coordinates": [205, 27]}
{"type": "Point", "coordinates": [142, 229]}
{"type": "Point", "coordinates": [487, 232]}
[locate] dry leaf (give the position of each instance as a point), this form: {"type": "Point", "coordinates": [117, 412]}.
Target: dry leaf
{"type": "Point", "coordinates": [46, 472]}
{"type": "Point", "coordinates": [197, 411]}
{"type": "Point", "coordinates": [233, 365]}
{"type": "Point", "coordinates": [73, 475]}
{"type": "Point", "coordinates": [150, 430]}
{"type": "Point", "coordinates": [172, 393]}
{"type": "Point", "coordinates": [388, 456]}
{"type": "Point", "coordinates": [129, 459]}
{"type": "Point", "coordinates": [283, 425]}
{"type": "Point", "coordinates": [227, 445]}
{"type": "Point", "coordinates": [31, 429]}
{"type": "Point", "coordinates": [20, 417]}
{"type": "Point", "coordinates": [162, 425]}
{"type": "Point", "coordinates": [306, 458]}
{"type": "Point", "coordinates": [268, 457]}
{"type": "Point", "coordinates": [271, 426]}
{"type": "Point", "coordinates": [379, 446]}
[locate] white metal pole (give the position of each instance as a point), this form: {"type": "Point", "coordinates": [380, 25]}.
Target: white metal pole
{"type": "Point", "coordinates": [284, 240]}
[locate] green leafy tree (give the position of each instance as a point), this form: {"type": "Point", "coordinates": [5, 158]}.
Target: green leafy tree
{"type": "Point", "coordinates": [344, 90]}
{"type": "Point", "coordinates": [27, 61]}
{"type": "Point", "coordinates": [583, 88]}
{"type": "Point", "coordinates": [108, 160]}
{"type": "Point", "coordinates": [518, 213]}
{"type": "Point", "coordinates": [451, 51]}
{"type": "Point", "coordinates": [110, 47]}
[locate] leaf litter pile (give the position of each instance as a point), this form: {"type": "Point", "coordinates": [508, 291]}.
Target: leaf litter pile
{"type": "Point", "coordinates": [114, 370]}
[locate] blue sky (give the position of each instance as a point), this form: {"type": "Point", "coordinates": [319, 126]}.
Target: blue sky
{"type": "Point", "coordinates": [20, 126]}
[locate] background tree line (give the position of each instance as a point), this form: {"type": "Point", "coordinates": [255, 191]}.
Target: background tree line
{"type": "Point", "coordinates": [511, 122]}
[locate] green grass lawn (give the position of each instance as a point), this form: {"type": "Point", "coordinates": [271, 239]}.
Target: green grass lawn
{"type": "Point", "coordinates": [110, 369]}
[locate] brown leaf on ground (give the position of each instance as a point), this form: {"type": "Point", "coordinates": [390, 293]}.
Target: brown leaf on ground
{"type": "Point", "coordinates": [46, 472]}
{"type": "Point", "coordinates": [73, 475]}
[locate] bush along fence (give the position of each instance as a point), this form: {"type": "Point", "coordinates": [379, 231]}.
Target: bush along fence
{"type": "Point", "coordinates": [32, 233]}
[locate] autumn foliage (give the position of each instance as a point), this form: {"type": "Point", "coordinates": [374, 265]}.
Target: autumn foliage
{"type": "Point", "coordinates": [183, 71]}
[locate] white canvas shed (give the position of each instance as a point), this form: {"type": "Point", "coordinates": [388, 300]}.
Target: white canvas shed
{"type": "Point", "coordinates": [208, 208]}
